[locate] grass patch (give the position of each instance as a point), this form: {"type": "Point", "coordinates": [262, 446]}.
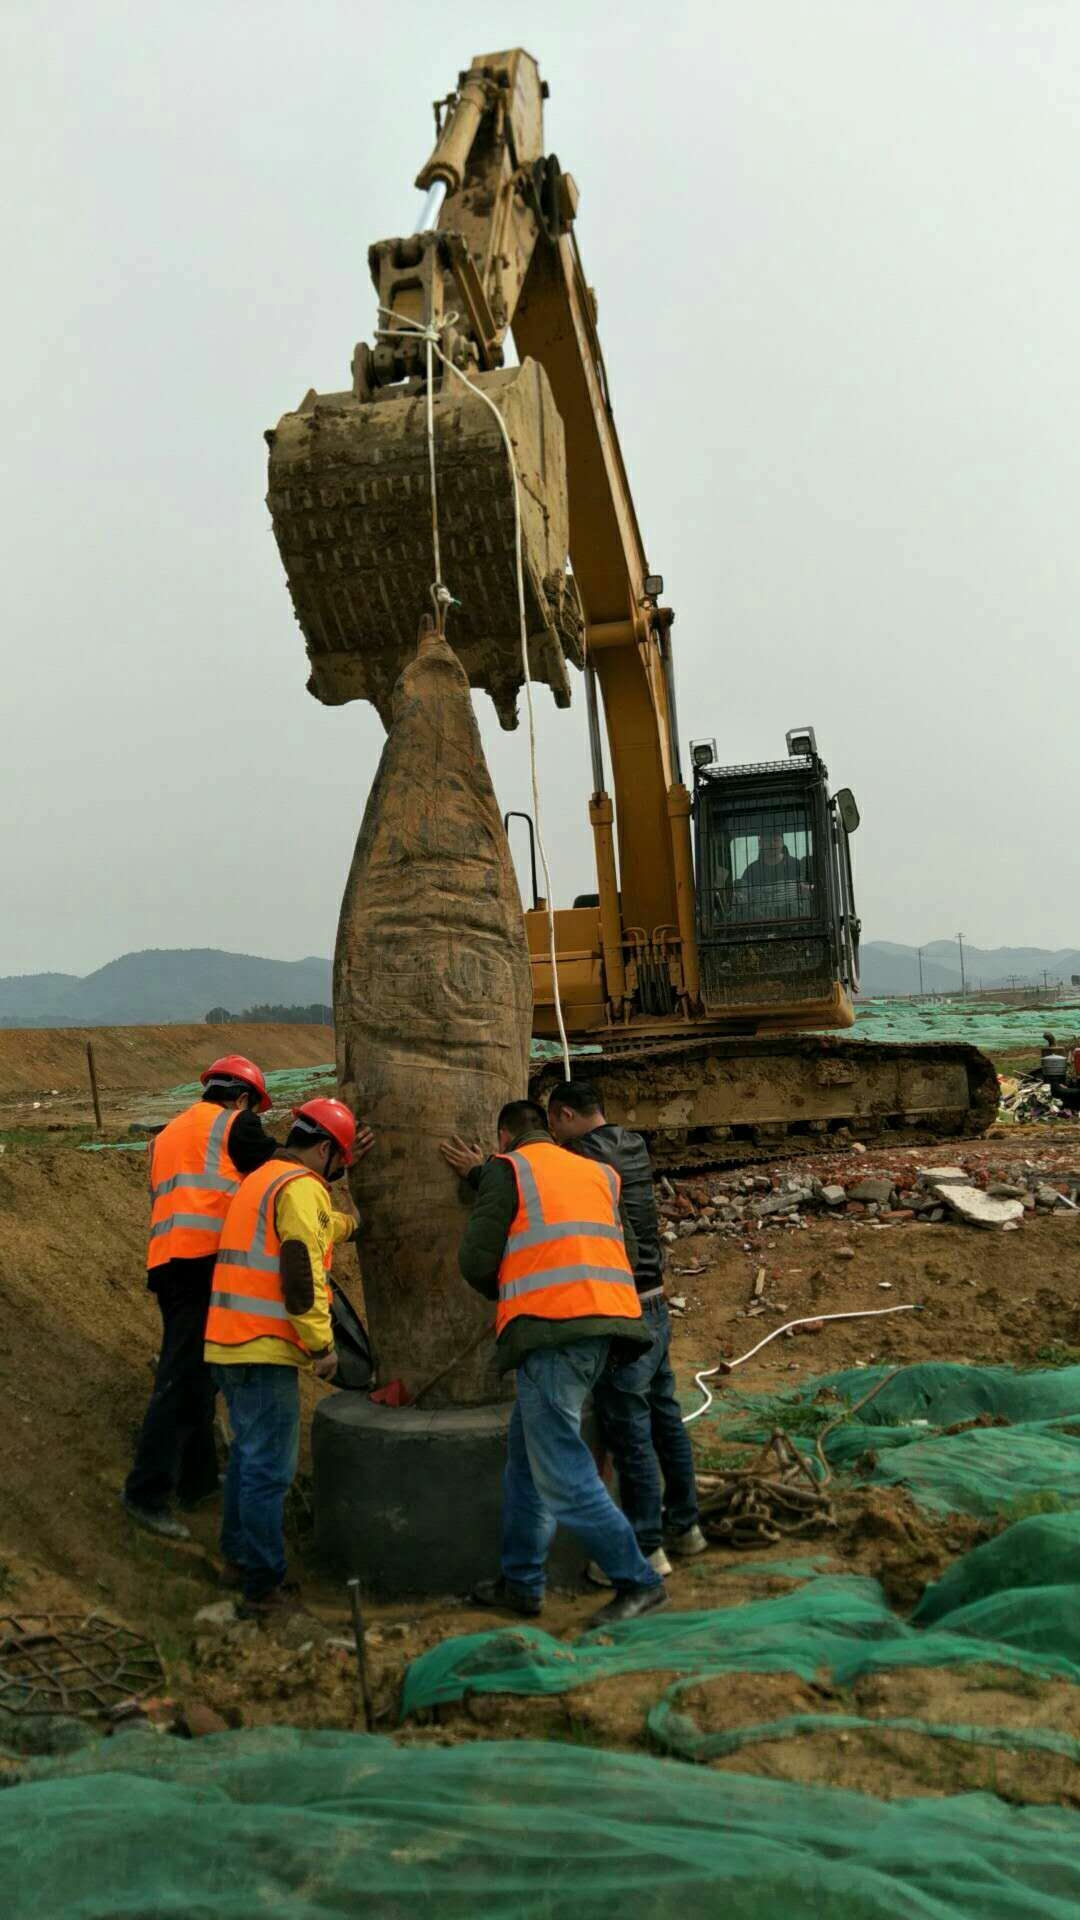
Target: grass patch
{"type": "Point", "coordinates": [51, 1137]}
{"type": "Point", "coordinates": [1056, 1353]}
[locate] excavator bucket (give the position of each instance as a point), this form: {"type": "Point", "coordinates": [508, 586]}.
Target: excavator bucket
{"type": "Point", "coordinates": [350, 500]}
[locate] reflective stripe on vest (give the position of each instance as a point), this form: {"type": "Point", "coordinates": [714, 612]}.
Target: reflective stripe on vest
{"type": "Point", "coordinates": [247, 1300]}
{"type": "Point", "coordinates": [192, 1181]}
{"type": "Point", "coordinates": [565, 1257]}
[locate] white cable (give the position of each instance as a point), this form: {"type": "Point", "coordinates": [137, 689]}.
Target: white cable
{"type": "Point", "coordinates": [434, 490]}
{"type": "Point", "coordinates": [811, 1320]}
{"type": "Point", "coordinates": [431, 338]}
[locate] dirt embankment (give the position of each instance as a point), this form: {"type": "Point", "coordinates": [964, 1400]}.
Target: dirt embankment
{"type": "Point", "coordinates": [35, 1060]}
{"type": "Point", "coordinates": [78, 1335]}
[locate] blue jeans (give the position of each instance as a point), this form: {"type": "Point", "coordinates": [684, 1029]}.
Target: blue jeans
{"type": "Point", "coordinates": [642, 1426]}
{"type": "Point", "coordinates": [551, 1477]}
{"type": "Point", "coordinates": [264, 1413]}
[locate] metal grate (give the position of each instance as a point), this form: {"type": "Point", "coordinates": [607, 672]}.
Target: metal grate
{"type": "Point", "coordinates": [72, 1664]}
{"type": "Point", "coordinates": [751, 972]}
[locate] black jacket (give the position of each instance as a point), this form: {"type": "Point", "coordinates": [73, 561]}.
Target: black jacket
{"type": "Point", "coordinates": [480, 1256]}
{"type": "Point", "coordinates": [626, 1151]}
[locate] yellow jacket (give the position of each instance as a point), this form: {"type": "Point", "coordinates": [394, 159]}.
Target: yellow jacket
{"type": "Point", "coordinates": [302, 1211]}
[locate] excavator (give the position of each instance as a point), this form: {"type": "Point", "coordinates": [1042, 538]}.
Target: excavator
{"type": "Point", "coordinates": [708, 977]}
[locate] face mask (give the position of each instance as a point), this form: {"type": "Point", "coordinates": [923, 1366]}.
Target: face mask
{"type": "Point", "coordinates": [338, 1174]}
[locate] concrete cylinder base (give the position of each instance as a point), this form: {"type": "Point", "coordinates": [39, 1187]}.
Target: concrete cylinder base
{"type": "Point", "coordinates": [410, 1502]}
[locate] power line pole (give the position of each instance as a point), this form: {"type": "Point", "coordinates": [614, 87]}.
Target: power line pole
{"type": "Point", "coordinates": [963, 982]}
{"type": "Point", "coordinates": [920, 973]}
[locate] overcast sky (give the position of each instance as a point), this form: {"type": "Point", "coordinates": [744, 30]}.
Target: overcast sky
{"type": "Point", "coordinates": [834, 244]}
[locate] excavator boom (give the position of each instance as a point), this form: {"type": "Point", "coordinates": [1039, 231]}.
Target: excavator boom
{"type": "Point", "coordinates": [397, 496]}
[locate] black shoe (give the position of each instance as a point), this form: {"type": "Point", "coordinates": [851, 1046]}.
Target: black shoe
{"type": "Point", "coordinates": [503, 1594]}
{"type": "Point", "coordinates": [155, 1520]}
{"type": "Point", "coordinates": [190, 1501]}
{"type": "Point", "coordinates": [630, 1603]}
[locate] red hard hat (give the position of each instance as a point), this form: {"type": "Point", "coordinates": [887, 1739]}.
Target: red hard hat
{"type": "Point", "coordinates": [235, 1066]}
{"type": "Point", "coordinates": [332, 1117]}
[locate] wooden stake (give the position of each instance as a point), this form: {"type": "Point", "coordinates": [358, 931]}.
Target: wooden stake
{"type": "Point", "coordinates": [94, 1085]}
{"type": "Point", "coordinates": [361, 1654]}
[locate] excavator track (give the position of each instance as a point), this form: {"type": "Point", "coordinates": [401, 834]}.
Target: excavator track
{"type": "Point", "coordinates": [727, 1102]}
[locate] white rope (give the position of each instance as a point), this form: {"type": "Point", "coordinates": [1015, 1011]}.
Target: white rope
{"type": "Point", "coordinates": [811, 1320]}
{"type": "Point", "coordinates": [434, 489]}
{"type": "Point", "coordinates": [431, 338]}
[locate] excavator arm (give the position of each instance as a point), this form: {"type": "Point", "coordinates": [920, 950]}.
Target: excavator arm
{"type": "Point", "coordinates": [495, 253]}
{"type": "Point", "coordinates": [673, 987]}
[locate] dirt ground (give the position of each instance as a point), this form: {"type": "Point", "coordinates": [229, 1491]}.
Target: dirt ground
{"type": "Point", "coordinates": [43, 1072]}
{"type": "Point", "coordinates": [77, 1347]}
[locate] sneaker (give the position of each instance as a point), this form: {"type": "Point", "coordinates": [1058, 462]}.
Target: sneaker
{"type": "Point", "coordinates": [155, 1520]}
{"type": "Point", "coordinates": [657, 1560]}
{"type": "Point", "coordinates": [630, 1603]}
{"type": "Point", "coordinates": [685, 1545]}
{"type": "Point", "coordinates": [504, 1595]}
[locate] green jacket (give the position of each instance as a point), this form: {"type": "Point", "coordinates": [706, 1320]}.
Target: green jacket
{"type": "Point", "coordinates": [480, 1257]}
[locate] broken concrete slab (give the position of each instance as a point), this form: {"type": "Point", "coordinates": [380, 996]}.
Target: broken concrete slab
{"type": "Point", "coordinates": [833, 1195]}
{"type": "Point", "coordinates": [978, 1209]}
{"type": "Point", "coordinates": [943, 1177]}
{"type": "Point", "coordinates": [216, 1618]}
{"type": "Point", "coordinates": [878, 1191]}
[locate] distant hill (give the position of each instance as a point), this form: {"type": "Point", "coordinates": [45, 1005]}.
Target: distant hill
{"type": "Point", "coordinates": [888, 967]}
{"type": "Point", "coordinates": [160, 987]}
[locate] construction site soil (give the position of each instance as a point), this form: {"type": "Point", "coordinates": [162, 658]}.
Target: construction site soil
{"type": "Point", "coordinates": [78, 1337]}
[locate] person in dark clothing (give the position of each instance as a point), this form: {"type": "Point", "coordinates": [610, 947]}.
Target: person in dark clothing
{"type": "Point", "coordinates": [196, 1162]}
{"type": "Point", "coordinates": [773, 886]}
{"type": "Point", "coordinates": [635, 1398]}
{"type": "Point", "coordinates": [545, 1241]}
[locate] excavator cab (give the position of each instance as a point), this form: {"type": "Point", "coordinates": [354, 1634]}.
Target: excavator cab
{"type": "Point", "coordinates": [776, 925]}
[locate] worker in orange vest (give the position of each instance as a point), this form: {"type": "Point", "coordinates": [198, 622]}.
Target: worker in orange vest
{"type": "Point", "coordinates": [268, 1317]}
{"type": "Point", "coordinates": [546, 1242]}
{"type": "Point", "coordinates": [196, 1165]}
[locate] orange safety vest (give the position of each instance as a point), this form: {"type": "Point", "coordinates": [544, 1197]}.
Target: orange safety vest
{"type": "Point", "coordinates": [247, 1300]}
{"type": "Point", "coordinates": [192, 1181]}
{"type": "Point", "coordinates": [565, 1257]}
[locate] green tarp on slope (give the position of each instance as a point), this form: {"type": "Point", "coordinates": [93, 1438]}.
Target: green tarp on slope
{"type": "Point", "coordinates": [286, 1825]}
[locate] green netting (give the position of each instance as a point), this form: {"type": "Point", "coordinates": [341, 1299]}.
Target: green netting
{"type": "Point", "coordinates": [308, 1825]}
{"type": "Point", "coordinates": [841, 1627]}
{"type": "Point", "coordinates": [899, 1438]}
{"type": "Point", "coordinates": [984, 1023]}
{"type": "Point", "coordinates": [281, 1083]}
{"type": "Point", "coordinates": [1010, 1604]}
{"type": "Point", "coordinates": [681, 1735]}
{"type": "Point", "coordinates": [1039, 1552]}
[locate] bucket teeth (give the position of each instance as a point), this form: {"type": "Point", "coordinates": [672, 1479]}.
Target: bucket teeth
{"type": "Point", "coordinates": [350, 501]}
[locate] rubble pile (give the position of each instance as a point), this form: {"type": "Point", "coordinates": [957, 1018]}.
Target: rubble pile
{"type": "Point", "coordinates": [1026, 1101]}
{"type": "Point", "coordinates": [739, 1205]}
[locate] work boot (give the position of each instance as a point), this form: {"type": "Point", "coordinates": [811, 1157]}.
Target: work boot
{"type": "Point", "coordinates": [657, 1560]}
{"type": "Point", "coordinates": [503, 1595]}
{"type": "Point", "coordinates": [155, 1520]}
{"type": "Point", "coordinates": [278, 1604]}
{"type": "Point", "coordinates": [685, 1545]}
{"type": "Point", "coordinates": [630, 1603]}
{"type": "Point", "coordinates": [230, 1577]}
{"type": "Point", "coordinates": [190, 1502]}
